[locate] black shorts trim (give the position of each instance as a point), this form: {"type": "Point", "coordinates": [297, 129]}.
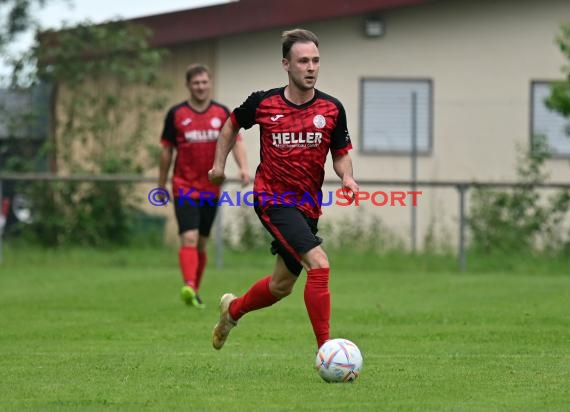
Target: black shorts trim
{"type": "Point", "coordinates": [195, 216]}
{"type": "Point", "coordinates": [293, 232]}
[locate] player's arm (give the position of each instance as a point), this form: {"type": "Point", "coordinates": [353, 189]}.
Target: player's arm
{"type": "Point", "coordinates": [226, 141]}
{"type": "Point", "coordinates": [240, 156]}
{"type": "Point", "coordinates": [342, 164]}
{"type": "Point", "coordinates": [340, 146]}
{"type": "Point", "coordinates": [164, 165]}
{"type": "Point", "coordinates": [168, 142]}
{"type": "Point", "coordinates": [242, 116]}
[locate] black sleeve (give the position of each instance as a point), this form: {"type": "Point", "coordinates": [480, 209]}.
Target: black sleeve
{"type": "Point", "coordinates": [340, 137]}
{"type": "Point", "coordinates": [245, 114]}
{"type": "Point", "coordinates": [169, 130]}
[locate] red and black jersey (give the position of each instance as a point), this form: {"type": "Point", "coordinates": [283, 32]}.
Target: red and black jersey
{"type": "Point", "coordinates": [194, 135]}
{"type": "Point", "coordinates": [295, 141]}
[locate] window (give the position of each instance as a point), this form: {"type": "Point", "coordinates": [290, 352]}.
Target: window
{"type": "Point", "coordinates": [387, 115]}
{"type": "Point", "coordinates": [24, 113]}
{"type": "Point", "coordinates": [548, 123]}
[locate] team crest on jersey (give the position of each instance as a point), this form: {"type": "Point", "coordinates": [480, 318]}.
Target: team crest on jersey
{"type": "Point", "coordinates": [216, 122]}
{"type": "Point", "coordinates": [319, 121]}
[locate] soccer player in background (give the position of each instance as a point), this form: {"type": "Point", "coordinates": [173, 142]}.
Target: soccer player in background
{"type": "Point", "coordinates": [192, 128]}
{"type": "Point", "coordinates": [299, 125]}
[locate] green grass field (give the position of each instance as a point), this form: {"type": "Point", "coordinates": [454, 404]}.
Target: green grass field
{"type": "Point", "coordinates": [82, 330]}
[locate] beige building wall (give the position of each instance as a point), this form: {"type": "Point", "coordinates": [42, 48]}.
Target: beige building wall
{"type": "Point", "coordinates": [481, 57]}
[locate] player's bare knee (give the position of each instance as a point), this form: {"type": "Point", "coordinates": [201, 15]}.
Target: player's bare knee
{"type": "Point", "coordinates": [189, 243]}
{"type": "Point", "coordinates": [320, 264]}
{"type": "Point", "coordinates": [189, 239]}
{"type": "Point", "coordinates": [316, 259]}
{"type": "Point", "coordinates": [280, 289]}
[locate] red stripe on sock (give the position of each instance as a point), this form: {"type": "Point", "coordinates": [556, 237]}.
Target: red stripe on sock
{"type": "Point", "coordinates": [318, 303]}
{"type": "Point", "coordinates": [257, 297]}
{"type": "Point", "coordinates": [188, 260]}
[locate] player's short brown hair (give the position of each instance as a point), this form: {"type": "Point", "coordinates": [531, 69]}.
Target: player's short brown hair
{"type": "Point", "coordinates": [195, 69]}
{"type": "Point", "coordinates": [290, 37]}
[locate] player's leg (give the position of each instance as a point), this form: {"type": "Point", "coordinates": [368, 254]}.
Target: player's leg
{"type": "Point", "coordinates": [207, 216]}
{"type": "Point", "coordinates": [282, 279]}
{"type": "Point", "coordinates": [317, 294]}
{"type": "Point", "coordinates": [189, 261]}
{"type": "Point", "coordinates": [202, 258]}
{"type": "Point", "coordinates": [188, 256]}
{"type": "Point", "coordinates": [263, 293]}
{"type": "Point", "coordinates": [299, 233]}
{"type": "Point", "coordinates": [188, 218]}
{"type": "Point", "coordinates": [291, 233]}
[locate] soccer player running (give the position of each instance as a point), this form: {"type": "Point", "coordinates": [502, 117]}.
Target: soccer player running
{"type": "Point", "coordinates": [299, 125]}
{"type": "Point", "coordinates": [192, 128]}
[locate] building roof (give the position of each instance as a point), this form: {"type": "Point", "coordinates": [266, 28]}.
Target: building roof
{"type": "Point", "coordinates": [252, 15]}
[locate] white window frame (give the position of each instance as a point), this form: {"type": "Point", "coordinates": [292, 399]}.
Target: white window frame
{"type": "Point", "coordinates": [423, 127]}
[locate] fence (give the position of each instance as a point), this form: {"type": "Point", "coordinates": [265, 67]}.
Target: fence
{"type": "Point", "coordinates": [462, 187]}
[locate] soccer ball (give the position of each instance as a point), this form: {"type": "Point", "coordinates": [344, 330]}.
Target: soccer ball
{"type": "Point", "coordinates": [338, 360]}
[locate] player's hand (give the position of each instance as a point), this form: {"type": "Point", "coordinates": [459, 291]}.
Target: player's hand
{"type": "Point", "coordinates": [350, 187]}
{"type": "Point", "coordinates": [216, 177]}
{"type": "Point", "coordinates": [244, 177]}
{"type": "Point", "coordinates": [162, 195]}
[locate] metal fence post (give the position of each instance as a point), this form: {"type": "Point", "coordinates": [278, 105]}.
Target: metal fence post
{"type": "Point", "coordinates": [414, 212]}
{"type": "Point", "coordinates": [462, 258]}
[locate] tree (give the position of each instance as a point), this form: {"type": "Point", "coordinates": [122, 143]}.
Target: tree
{"type": "Point", "coordinates": [559, 99]}
{"type": "Point", "coordinates": [17, 20]}
{"type": "Point", "coordinates": [106, 84]}
{"type": "Point", "coordinates": [521, 220]}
